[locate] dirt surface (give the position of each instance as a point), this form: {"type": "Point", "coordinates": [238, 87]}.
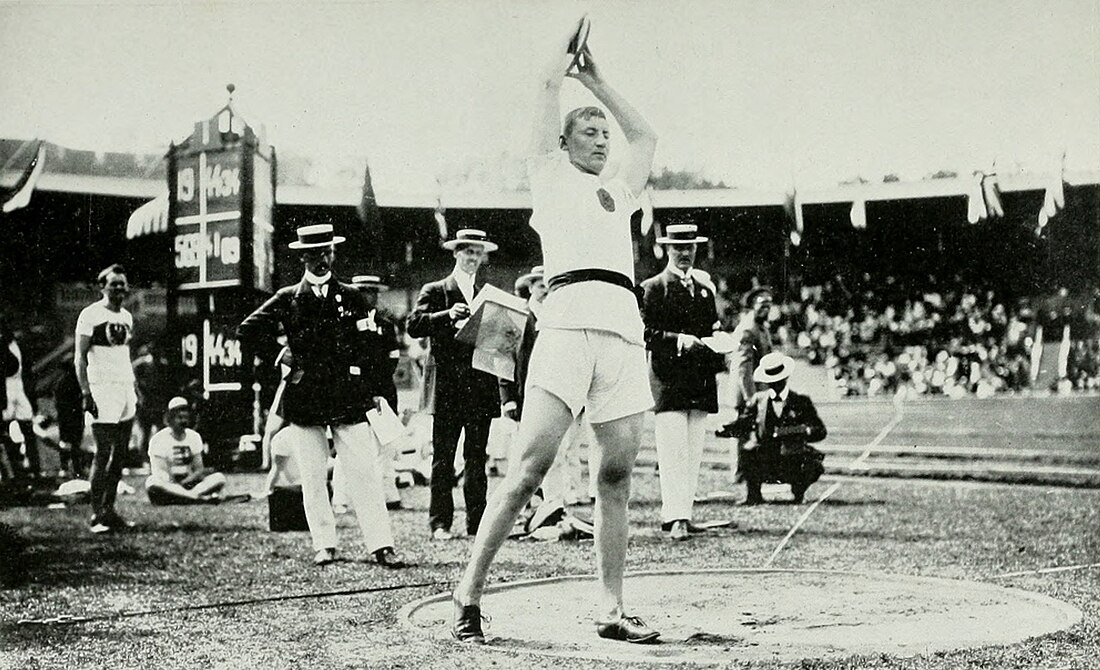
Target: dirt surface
{"type": "Point", "coordinates": [718, 616]}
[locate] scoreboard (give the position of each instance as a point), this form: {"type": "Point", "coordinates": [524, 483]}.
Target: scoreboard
{"type": "Point", "coordinates": [221, 205]}
{"type": "Point", "coordinates": [221, 201]}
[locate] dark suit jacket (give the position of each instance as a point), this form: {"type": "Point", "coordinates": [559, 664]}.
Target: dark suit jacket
{"type": "Point", "coordinates": [326, 336]}
{"type": "Point", "coordinates": [459, 388]}
{"type": "Point", "coordinates": [799, 420]}
{"type": "Point", "coordinates": [680, 380]}
{"type": "Point", "coordinates": [752, 343]}
{"type": "Point", "coordinates": [512, 391]}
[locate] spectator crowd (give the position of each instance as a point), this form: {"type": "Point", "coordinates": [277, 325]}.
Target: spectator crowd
{"type": "Point", "coordinates": [945, 339]}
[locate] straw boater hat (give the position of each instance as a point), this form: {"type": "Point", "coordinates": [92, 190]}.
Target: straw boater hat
{"type": "Point", "coordinates": [368, 281]}
{"type": "Point", "coordinates": [319, 235]}
{"type": "Point", "coordinates": [470, 236]}
{"type": "Point", "coordinates": [536, 272]}
{"type": "Point", "coordinates": [772, 368]}
{"type": "Point", "coordinates": [681, 233]}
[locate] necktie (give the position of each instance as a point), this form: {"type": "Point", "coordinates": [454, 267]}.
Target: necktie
{"type": "Point", "coordinates": [688, 284]}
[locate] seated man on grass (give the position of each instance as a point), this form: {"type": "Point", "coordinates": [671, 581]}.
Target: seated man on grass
{"type": "Point", "coordinates": [177, 475]}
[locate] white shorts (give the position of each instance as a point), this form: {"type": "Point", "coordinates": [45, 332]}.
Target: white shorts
{"type": "Point", "coordinates": [116, 402]}
{"type": "Point", "coordinates": [594, 370]}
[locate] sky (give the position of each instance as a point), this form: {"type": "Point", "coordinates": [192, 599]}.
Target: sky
{"type": "Point", "coordinates": [757, 94]}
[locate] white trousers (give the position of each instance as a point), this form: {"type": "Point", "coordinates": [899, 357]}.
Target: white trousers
{"type": "Point", "coordinates": [357, 452]}
{"type": "Point", "coordinates": [679, 436]}
{"type": "Point", "coordinates": [386, 456]}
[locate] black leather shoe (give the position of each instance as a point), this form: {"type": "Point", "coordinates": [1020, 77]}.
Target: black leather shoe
{"type": "Point", "coordinates": [388, 558]}
{"type": "Point", "coordinates": [394, 505]}
{"type": "Point", "coordinates": [467, 623]}
{"type": "Point", "coordinates": [628, 629]}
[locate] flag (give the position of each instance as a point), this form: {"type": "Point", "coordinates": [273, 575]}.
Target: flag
{"type": "Point", "coordinates": [367, 208]}
{"type": "Point", "coordinates": [991, 196]}
{"type": "Point", "coordinates": [975, 200]}
{"type": "Point", "coordinates": [858, 215]}
{"type": "Point", "coordinates": [1054, 200]}
{"type": "Point", "coordinates": [440, 221]}
{"type": "Point", "coordinates": [793, 208]}
{"type": "Point", "coordinates": [21, 194]}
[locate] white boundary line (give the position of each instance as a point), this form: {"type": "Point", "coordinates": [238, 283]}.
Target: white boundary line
{"type": "Point", "coordinates": [898, 414]}
{"type": "Point", "coordinates": [1047, 571]}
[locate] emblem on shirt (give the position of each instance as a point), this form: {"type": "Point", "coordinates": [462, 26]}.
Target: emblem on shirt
{"type": "Point", "coordinates": [110, 334]}
{"type": "Point", "coordinates": [606, 201]}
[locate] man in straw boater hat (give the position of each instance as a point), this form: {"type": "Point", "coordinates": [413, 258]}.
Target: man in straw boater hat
{"type": "Point", "coordinates": [590, 351]}
{"type": "Point", "coordinates": [464, 400]}
{"type": "Point", "coordinates": [384, 351]}
{"type": "Point", "coordinates": [776, 427]}
{"type": "Point", "coordinates": [679, 311]}
{"type": "Point", "coordinates": [332, 386]}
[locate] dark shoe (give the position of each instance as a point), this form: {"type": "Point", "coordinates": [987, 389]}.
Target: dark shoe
{"type": "Point", "coordinates": [628, 629]}
{"type": "Point", "coordinates": [394, 505]}
{"type": "Point", "coordinates": [799, 493]}
{"type": "Point", "coordinates": [388, 558]}
{"type": "Point", "coordinates": [115, 520]}
{"type": "Point", "coordinates": [725, 431]}
{"type": "Point", "coordinates": [467, 623]}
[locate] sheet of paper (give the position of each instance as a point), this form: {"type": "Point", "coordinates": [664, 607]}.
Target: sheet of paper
{"type": "Point", "coordinates": [720, 342]}
{"type": "Point", "coordinates": [386, 425]}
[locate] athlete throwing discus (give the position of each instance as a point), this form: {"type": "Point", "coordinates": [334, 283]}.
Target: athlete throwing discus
{"type": "Point", "coordinates": [590, 352]}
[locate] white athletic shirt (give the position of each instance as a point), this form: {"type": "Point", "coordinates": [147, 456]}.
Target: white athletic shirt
{"type": "Point", "coordinates": [111, 332]}
{"type": "Point", "coordinates": [584, 223]}
{"type": "Point", "coordinates": [180, 453]}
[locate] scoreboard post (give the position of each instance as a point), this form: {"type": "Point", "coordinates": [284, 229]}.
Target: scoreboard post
{"type": "Point", "coordinates": [221, 205]}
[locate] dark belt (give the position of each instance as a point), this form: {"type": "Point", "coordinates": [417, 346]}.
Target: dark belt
{"type": "Point", "coordinates": [595, 274]}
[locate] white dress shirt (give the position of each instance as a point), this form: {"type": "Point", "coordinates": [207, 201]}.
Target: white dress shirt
{"type": "Point", "coordinates": [318, 284]}
{"type": "Point", "coordinates": [465, 283]}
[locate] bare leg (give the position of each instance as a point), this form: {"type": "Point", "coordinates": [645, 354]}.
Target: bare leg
{"type": "Point", "coordinates": [545, 420]}
{"type": "Point", "coordinates": [617, 442]}
{"type": "Point", "coordinates": [209, 485]}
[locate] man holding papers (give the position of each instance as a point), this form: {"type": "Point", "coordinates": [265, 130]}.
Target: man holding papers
{"type": "Point", "coordinates": [464, 399]}
{"type": "Point", "coordinates": [679, 312]}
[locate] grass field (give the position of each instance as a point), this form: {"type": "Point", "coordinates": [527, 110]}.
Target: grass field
{"type": "Point", "coordinates": [185, 557]}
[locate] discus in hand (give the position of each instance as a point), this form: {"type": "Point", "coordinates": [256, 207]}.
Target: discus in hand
{"type": "Point", "coordinates": [578, 45]}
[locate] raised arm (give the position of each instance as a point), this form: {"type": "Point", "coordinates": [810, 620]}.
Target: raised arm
{"type": "Point", "coordinates": [640, 136]}
{"type": "Point", "coordinates": [547, 118]}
